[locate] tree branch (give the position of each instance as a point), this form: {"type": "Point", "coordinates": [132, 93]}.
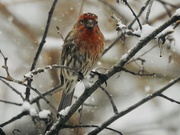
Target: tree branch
{"type": "Point", "coordinates": [90, 126]}
{"type": "Point", "coordinates": [19, 116]}
{"type": "Point", "coordinates": [111, 100]}
{"type": "Point", "coordinates": [116, 68]}
{"type": "Point", "coordinates": [27, 93]}
{"type": "Point", "coordinates": [9, 102]}
{"type": "Point", "coordinates": [168, 98]}
{"type": "Point", "coordinates": [139, 14]}
{"type": "Point", "coordinates": [134, 106]}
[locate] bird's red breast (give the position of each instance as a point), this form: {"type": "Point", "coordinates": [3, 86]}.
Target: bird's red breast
{"type": "Point", "coordinates": [89, 39]}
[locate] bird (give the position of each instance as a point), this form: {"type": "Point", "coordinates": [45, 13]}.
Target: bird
{"type": "Point", "coordinates": [81, 50]}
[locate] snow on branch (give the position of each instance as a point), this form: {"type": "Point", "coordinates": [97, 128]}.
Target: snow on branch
{"type": "Point", "coordinates": [177, 13]}
{"type": "Point", "coordinates": [31, 74]}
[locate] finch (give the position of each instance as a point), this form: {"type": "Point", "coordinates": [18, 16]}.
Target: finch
{"type": "Point", "coordinates": [82, 48]}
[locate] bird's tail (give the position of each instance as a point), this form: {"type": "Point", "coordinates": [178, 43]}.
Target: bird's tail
{"type": "Point", "coordinates": [66, 100]}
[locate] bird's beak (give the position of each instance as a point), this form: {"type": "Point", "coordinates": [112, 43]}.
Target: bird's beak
{"type": "Point", "coordinates": [90, 23]}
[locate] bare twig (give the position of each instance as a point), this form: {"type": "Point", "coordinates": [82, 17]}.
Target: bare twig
{"type": "Point", "coordinates": [36, 91]}
{"type": "Point", "coordinates": [110, 46]}
{"type": "Point", "coordinates": [2, 132]}
{"type": "Point", "coordinates": [166, 3]}
{"type": "Point", "coordinates": [139, 74]}
{"type": "Point", "coordinates": [38, 125]}
{"type": "Point", "coordinates": [49, 92]}
{"type": "Point", "coordinates": [5, 65]}
{"type": "Point", "coordinates": [149, 10]}
{"type": "Point", "coordinates": [9, 102]}
{"type": "Point", "coordinates": [45, 99]}
{"type": "Point", "coordinates": [139, 14]}
{"type": "Point", "coordinates": [91, 126]}
{"type": "Point", "coordinates": [81, 6]}
{"type": "Point", "coordinates": [80, 117]}
{"type": "Point", "coordinates": [168, 98]}
{"type": "Point", "coordinates": [167, 10]}
{"type": "Point", "coordinates": [138, 58]}
{"type": "Point", "coordinates": [13, 89]}
{"type": "Point", "coordinates": [29, 75]}
{"type": "Point", "coordinates": [19, 116]}
{"type": "Point", "coordinates": [59, 33]}
{"type": "Point", "coordinates": [111, 100]}
{"type": "Point", "coordinates": [137, 19]}
{"type": "Point", "coordinates": [111, 7]}
{"type": "Point", "coordinates": [27, 93]}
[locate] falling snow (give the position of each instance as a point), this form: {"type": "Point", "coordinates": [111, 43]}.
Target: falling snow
{"type": "Point", "coordinates": [147, 89]}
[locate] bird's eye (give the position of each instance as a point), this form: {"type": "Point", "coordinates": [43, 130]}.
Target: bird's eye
{"type": "Point", "coordinates": [82, 21]}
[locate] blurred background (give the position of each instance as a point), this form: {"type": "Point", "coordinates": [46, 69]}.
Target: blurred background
{"type": "Point", "coordinates": [22, 24]}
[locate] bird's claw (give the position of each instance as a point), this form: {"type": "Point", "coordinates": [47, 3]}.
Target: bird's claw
{"type": "Point", "coordinates": [101, 76]}
{"type": "Point", "coordinates": [80, 76]}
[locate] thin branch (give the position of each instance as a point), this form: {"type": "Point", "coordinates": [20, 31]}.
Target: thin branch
{"type": "Point", "coordinates": [137, 19]}
{"type": "Point", "coordinates": [167, 10]}
{"type": "Point", "coordinates": [80, 117]}
{"type": "Point", "coordinates": [149, 10]}
{"type": "Point", "coordinates": [110, 46]}
{"type": "Point", "coordinates": [9, 102]}
{"type": "Point", "coordinates": [13, 89]}
{"type": "Point", "coordinates": [139, 14]}
{"type": "Point", "coordinates": [134, 106]}
{"type": "Point", "coordinates": [59, 33]}
{"type": "Point", "coordinates": [38, 125]}
{"type": "Point", "coordinates": [53, 90]}
{"type": "Point", "coordinates": [36, 91]}
{"type": "Point", "coordinates": [111, 100]}
{"type": "Point", "coordinates": [146, 52]}
{"type": "Point", "coordinates": [169, 4]}
{"type": "Point", "coordinates": [111, 7]}
{"type": "Point", "coordinates": [19, 116]}
{"type": "Point", "coordinates": [45, 99]}
{"type": "Point", "coordinates": [2, 132]}
{"type": "Point", "coordinates": [5, 65]}
{"type": "Point", "coordinates": [81, 6]}
{"type": "Point", "coordinates": [168, 98]}
{"type": "Point", "coordinates": [139, 74]}
{"type": "Point", "coordinates": [27, 93]}
{"type": "Point", "coordinates": [90, 126]}
{"type": "Point", "coordinates": [116, 68]}
{"type": "Point", "coordinates": [85, 104]}
{"type": "Point", "coordinates": [30, 75]}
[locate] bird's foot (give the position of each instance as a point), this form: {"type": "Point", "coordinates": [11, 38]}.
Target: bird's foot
{"type": "Point", "coordinates": [101, 76]}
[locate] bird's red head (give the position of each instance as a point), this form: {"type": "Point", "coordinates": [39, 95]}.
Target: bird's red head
{"type": "Point", "coordinates": [87, 16]}
{"type": "Point", "coordinates": [89, 20]}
